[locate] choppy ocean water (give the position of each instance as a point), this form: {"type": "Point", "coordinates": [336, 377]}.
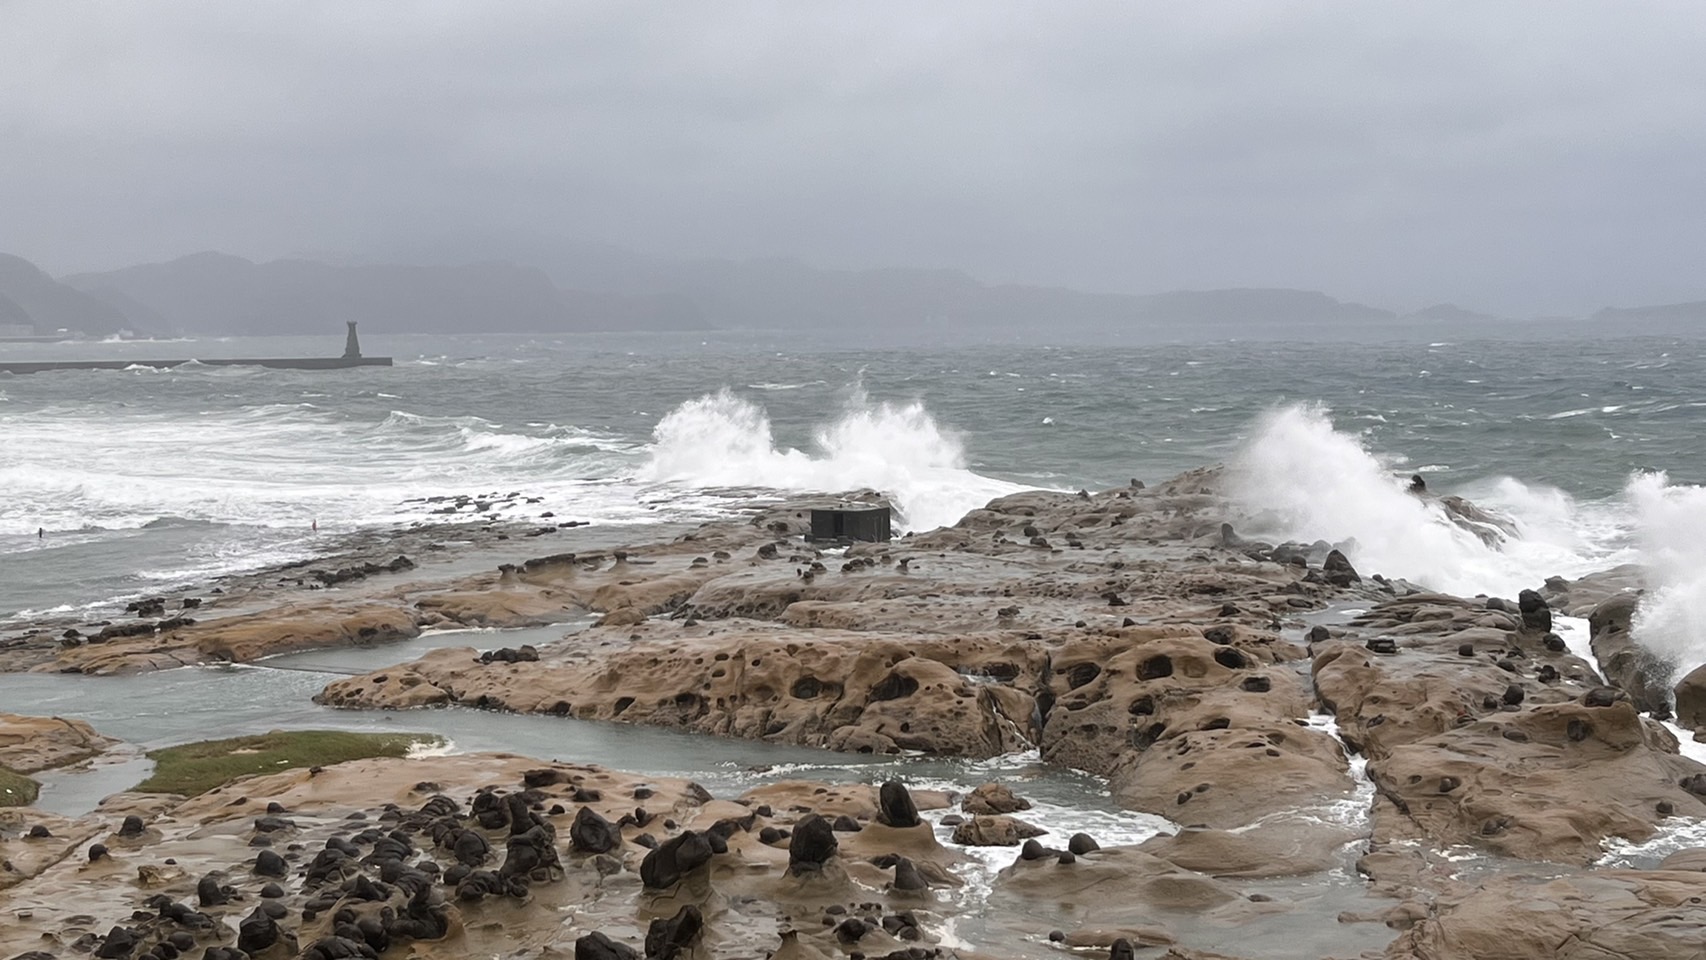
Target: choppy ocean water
{"type": "Point", "coordinates": [144, 480]}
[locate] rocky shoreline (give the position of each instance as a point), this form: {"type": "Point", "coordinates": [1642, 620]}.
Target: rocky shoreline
{"type": "Point", "coordinates": [1288, 715]}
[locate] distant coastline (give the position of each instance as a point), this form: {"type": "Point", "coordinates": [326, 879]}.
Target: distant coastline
{"type": "Point", "coordinates": [603, 290]}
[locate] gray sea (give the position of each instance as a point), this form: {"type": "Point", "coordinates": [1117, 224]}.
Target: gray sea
{"type": "Point", "coordinates": [145, 480]}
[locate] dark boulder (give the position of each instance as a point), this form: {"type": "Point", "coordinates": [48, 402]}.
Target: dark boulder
{"type": "Point", "coordinates": [895, 807]}
{"type": "Point", "coordinates": [597, 946]}
{"type": "Point", "coordinates": [907, 877]}
{"type": "Point", "coordinates": [671, 938]}
{"type": "Point", "coordinates": [1642, 674]}
{"type": "Point", "coordinates": [591, 833]}
{"type": "Point", "coordinates": [209, 892]}
{"type": "Point", "coordinates": [119, 942]}
{"type": "Point", "coordinates": [489, 811]}
{"type": "Point", "coordinates": [118, 631]}
{"type": "Point", "coordinates": [470, 847]}
{"type": "Point", "coordinates": [1691, 700]}
{"type": "Point", "coordinates": [257, 932]}
{"type": "Point", "coordinates": [270, 864]}
{"type": "Point", "coordinates": [339, 948]}
{"type": "Point", "coordinates": [851, 930]}
{"type": "Point", "coordinates": [1536, 615]}
{"type": "Point", "coordinates": [532, 854]}
{"type": "Point", "coordinates": [481, 884]}
{"type": "Point", "coordinates": [674, 859]}
{"type": "Point", "coordinates": [440, 805]}
{"type": "Point", "coordinates": [812, 844]}
{"type": "Point", "coordinates": [902, 926]}
{"type": "Point", "coordinates": [1337, 570]}
{"type": "Point", "coordinates": [424, 918]}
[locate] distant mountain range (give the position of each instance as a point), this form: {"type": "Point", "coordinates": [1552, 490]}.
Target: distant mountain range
{"type": "Point", "coordinates": [604, 289]}
{"type": "Point", "coordinates": [1668, 314]}
{"type": "Point", "coordinates": [215, 293]}
{"type": "Point", "coordinates": [33, 303]}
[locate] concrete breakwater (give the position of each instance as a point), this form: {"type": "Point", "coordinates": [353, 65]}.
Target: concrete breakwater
{"type": "Point", "coordinates": [352, 357]}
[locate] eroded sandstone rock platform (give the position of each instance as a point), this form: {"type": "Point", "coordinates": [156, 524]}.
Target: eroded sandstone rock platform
{"type": "Point", "coordinates": [1290, 716]}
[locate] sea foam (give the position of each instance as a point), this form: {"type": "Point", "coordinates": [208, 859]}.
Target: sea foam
{"type": "Point", "coordinates": [1671, 523]}
{"type": "Point", "coordinates": [285, 465]}
{"type": "Point", "coordinates": [723, 440]}
{"type": "Point", "coordinates": [1298, 478]}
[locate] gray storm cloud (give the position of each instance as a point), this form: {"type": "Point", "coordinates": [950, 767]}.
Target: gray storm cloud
{"type": "Point", "coordinates": [1519, 157]}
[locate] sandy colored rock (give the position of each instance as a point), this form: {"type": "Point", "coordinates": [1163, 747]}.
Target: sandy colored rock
{"type": "Point", "coordinates": [1180, 722]}
{"type": "Point", "coordinates": [663, 583]}
{"type": "Point", "coordinates": [995, 830]}
{"type": "Point", "coordinates": [30, 744]}
{"type": "Point", "coordinates": [993, 798]}
{"type": "Point", "coordinates": [1205, 777]}
{"type": "Point", "coordinates": [1691, 858]}
{"type": "Point", "coordinates": [1645, 676]}
{"type": "Point", "coordinates": [1076, 893]}
{"type": "Point", "coordinates": [1515, 747]}
{"type": "Point", "coordinates": [1581, 775]}
{"type": "Point", "coordinates": [1577, 598]}
{"type": "Point", "coordinates": [242, 639]}
{"type": "Point", "coordinates": [860, 693]}
{"type": "Point", "coordinates": [501, 606]}
{"type": "Point", "coordinates": [856, 800]}
{"type": "Point", "coordinates": [61, 897]}
{"type": "Point", "coordinates": [1691, 700]}
{"type": "Point", "coordinates": [1130, 633]}
{"type": "Point", "coordinates": [1104, 937]}
{"type": "Point", "coordinates": [23, 856]}
{"type": "Point", "coordinates": [1627, 915]}
{"type": "Point", "coordinates": [1277, 848]}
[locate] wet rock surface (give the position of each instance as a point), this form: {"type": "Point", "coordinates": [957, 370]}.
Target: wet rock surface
{"type": "Point", "coordinates": [31, 744]}
{"type": "Point", "coordinates": [1132, 634]}
{"type": "Point", "coordinates": [1518, 748]}
{"type": "Point", "coordinates": [379, 861]}
{"type": "Point", "coordinates": [1645, 676]}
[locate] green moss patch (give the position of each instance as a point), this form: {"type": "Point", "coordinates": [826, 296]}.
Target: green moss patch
{"type": "Point", "coordinates": [196, 768]}
{"type": "Point", "coordinates": [17, 790]}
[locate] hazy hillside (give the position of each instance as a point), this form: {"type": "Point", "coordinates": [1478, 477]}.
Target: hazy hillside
{"type": "Point", "coordinates": [1451, 313]}
{"type": "Point", "coordinates": [11, 313]}
{"type": "Point", "coordinates": [213, 293]}
{"type": "Point", "coordinates": [1257, 305]}
{"type": "Point", "coordinates": [1685, 315]}
{"type": "Point", "coordinates": [38, 299]}
{"type": "Point", "coordinates": [588, 288]}
{"type": "Point", "coordinates": [787, 294]}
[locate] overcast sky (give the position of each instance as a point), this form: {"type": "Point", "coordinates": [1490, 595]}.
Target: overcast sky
{"type": "Point", "coordinates": [1517, 157]}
